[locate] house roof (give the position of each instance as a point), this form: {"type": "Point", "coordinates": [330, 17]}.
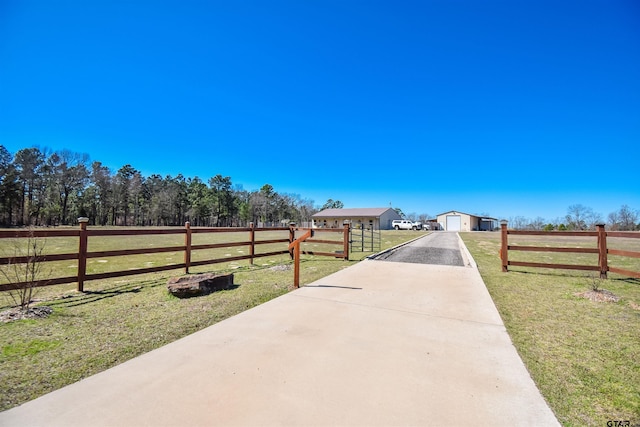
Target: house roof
{"type": "Point", "coordinates": [355, 212]}
{"type": "Point", "coordinates": [485, 218]}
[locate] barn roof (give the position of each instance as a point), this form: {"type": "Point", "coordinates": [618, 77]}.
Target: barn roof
{"type": "Point", "coordinates": [355, 212]}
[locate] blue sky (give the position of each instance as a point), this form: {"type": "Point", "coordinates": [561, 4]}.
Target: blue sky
{"type": "Point", "coordinates": [506, 108]}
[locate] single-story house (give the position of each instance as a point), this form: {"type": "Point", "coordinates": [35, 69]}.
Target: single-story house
{"type": "Point", "coordinates": [460, 221]}
{"type": "Point", "coordinates": [376, 218]}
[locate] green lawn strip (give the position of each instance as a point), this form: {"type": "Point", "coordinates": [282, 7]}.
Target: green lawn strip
{"type": "Point", "coordinates": [118, 319]}
{"type": "Point", "coordinates": [583, 355]}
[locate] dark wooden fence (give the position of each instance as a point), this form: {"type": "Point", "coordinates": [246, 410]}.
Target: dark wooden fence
{"type": "Point", "coordinates": [601, 249]}
{"type": "Point", "coordinates": [83, 233]}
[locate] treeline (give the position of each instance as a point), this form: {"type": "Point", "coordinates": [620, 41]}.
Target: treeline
{"type": "Point", "coordinates": [47, 189]}
{"type": "Point", "coordinates": [43, 188]}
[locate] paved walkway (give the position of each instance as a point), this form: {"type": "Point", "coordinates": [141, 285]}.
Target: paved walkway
{"type": "Point", "coordinates": [375, 344]}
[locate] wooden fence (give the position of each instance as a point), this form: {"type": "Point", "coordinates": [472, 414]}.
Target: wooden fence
{"type": "Point", "coordinates": [600, 249]}
{"type": "Point", "coordinates": [83, 254]}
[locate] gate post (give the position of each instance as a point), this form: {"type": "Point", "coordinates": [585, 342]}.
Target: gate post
{"type": "Point", "coordinates": [504, 247]}
{"type": "Point", "coordinates": [296, 264]}
{"type": "Point", "coordinates": [345, 237]}
{"type": "Point", "coordinates": [602, 251]}
{"type": "Point", "coordinates": [294, 247]}
{"type": "Point", "coordinates": [82, 253]}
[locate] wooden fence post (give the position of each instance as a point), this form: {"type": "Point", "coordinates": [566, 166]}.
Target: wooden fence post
{"type": "Point", "coordinates": [504, 247]}
{"type": "Point", "coordinates": [187, 247]}
{"type": "Point", "coordinates": [294, 246]}
{"type": "Point", "coordinates": [345, 237]}
{"type": "Point", "coordinates": [296, 265]}
{"type": "Point", "coordinates": [82, 253]}
{"type": "Point", "coordinates": [602, 251]}
{"type": "Point", "coordinates": [252, 238]}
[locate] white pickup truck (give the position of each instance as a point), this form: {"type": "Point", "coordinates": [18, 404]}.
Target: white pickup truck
{"type": "Point", "coordinates": [405, 224]}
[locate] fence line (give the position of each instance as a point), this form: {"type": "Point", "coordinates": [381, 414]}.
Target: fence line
{"type": "Point", "coordinates": [601, 250]}
{"type": "Point", "coordinates": [83, 254]}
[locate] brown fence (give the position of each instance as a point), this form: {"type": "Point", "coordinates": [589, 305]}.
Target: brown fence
{"type": "Point", "coordinates": [83, 233]}
{"type": "Point", "coordinates": [601, 249]}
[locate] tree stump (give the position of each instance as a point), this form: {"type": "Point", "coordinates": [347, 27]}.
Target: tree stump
{"type": "Point", "coordinates": [199, 284]}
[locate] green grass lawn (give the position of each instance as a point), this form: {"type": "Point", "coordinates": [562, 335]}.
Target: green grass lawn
{"type": "Point", "coordinates": [583, 355]}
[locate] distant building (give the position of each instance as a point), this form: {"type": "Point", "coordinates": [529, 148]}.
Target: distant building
{"type": "Point", "coordinates": [460, 221]}
{"type": "Point", "coordinates": [376, 218]}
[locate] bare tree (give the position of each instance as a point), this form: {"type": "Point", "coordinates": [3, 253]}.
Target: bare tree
{"type": "Point", "coordinates": [304, 209]}
{"type": "Point", "coordinates": [593, 219]}
{"type": "Point", "coordinates": [625, 219]}
{"type": "Point", "coordinates": [518, 223]}
{"type": "Point", "coordinates": [424, 217]}
{"type": "Point", "coordinates": [24, 269]}
{"type": "Point", "coordinates": [69, 176]}
{"type": "Point", "coordinates": [575, 217]}
{"type": "Point", "coordinates": [537, 224]}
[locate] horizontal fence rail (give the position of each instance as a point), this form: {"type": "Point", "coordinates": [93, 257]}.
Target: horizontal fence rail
{"type": "Point", "coordinates": [600, 249]}
{"type": "Point", "coordinates": [83, 254]}
{"type": "Point", "coordinates": [344, 253]}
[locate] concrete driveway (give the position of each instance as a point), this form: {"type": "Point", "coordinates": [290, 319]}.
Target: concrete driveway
{"type": "Point", "coordinates": [375, 344]}
{"type": "Point", "coordinates": [441, 248]}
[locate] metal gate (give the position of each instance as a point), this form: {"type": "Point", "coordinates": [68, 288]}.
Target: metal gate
{"type": "Point", "coordinates": [364, 239]}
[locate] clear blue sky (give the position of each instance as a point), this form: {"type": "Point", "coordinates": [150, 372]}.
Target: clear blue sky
{"type": "Point", "coordinates": [508, 108]}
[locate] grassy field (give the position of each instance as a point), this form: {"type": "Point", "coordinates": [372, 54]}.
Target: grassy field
{"type": "Point", "coordinates": [583, 355]}
{"type": "Point", "coordinates": [118, 319]}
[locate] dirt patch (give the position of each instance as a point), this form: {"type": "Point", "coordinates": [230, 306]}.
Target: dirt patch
{"type": "Point", "coordinates": [280, 268]}
{"type": "Point", "coordinates": [16, 313]}
{"type": "Point", "coordinates": [601, 295]}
